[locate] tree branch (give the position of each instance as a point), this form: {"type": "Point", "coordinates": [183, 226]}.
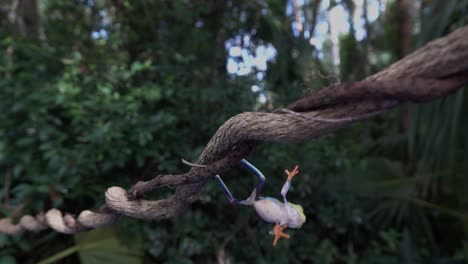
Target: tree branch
{"type": "Point", "coordinates": [437, 69]}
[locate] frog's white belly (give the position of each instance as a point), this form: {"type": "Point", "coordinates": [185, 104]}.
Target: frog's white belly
{"type": "Point", "coordinates": [271, 210]}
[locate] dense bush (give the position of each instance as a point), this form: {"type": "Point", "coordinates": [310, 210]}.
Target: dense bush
{"type": "Point", "coordinates": [112, 92]}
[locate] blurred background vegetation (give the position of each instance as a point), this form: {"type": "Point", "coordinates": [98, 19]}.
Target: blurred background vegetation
{"type": "Point", "coordinates": [99, 93]}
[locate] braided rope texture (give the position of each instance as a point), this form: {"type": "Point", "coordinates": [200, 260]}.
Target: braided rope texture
{"type": "Point", "coordinates": [435, 70]}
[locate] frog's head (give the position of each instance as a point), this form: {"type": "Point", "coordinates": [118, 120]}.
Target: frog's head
{"type": "Point", "coordinates": [296, 215]}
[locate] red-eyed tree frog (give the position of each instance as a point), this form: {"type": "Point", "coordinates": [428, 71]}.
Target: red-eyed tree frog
{"type": "Point", "coordinates": [282, 214]}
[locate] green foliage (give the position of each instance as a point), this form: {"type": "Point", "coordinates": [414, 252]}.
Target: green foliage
{"type": "Point", "coordinates": [349, 56]}
{"type": "Point", "coordinates": [113, 92]}
{"type": "Point", "coordinates": [99, 246]}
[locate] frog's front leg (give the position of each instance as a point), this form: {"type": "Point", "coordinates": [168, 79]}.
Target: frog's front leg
{"type": "Point", "coordinates": [278, 229]}
{"type": "Point", "coordinates": [287, 184]}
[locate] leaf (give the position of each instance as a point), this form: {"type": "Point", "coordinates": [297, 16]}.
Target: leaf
{"type": "Point", "coordinates": [99, 246]}
{"type": "Point", "coordinates": [7, 260]}
{"type": "Point", "coordinates": [407, 248]}
{"type": "Point", "coordinates": [375, 177]}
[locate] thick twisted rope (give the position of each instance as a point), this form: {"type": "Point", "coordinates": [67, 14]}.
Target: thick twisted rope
{"type": "Point", "coordinates": [436, 70]}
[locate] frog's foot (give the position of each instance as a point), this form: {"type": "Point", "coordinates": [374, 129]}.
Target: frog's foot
{"type": "Point", "coordinates": [292, 173]}
{"type": "Point", "coordinates": [278, 232]}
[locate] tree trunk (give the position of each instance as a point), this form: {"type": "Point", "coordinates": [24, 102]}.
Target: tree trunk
{"type": "Point", "coordinates": [27, 18]}
{"type": "Point", "coordinates": [402, 49]}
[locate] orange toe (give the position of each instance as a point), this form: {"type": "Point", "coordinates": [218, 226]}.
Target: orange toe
{"type": "Point", "coordinates": [278, 230]}
{"type": "Point", "coordinates": [292, 173]}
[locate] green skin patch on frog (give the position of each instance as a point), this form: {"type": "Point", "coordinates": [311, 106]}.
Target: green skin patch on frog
{"type": "Point", "coordinates": [282, 214]}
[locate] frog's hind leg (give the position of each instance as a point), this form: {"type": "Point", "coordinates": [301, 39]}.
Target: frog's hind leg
{"type": "Point", "coordinates": [256, 192]}
{"type": "Point", "coordinates": [260, 176]}
{"type": "Point", "coordinates": [278, 232]}
{"type": "Point", "coordinates": [226, 191]}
